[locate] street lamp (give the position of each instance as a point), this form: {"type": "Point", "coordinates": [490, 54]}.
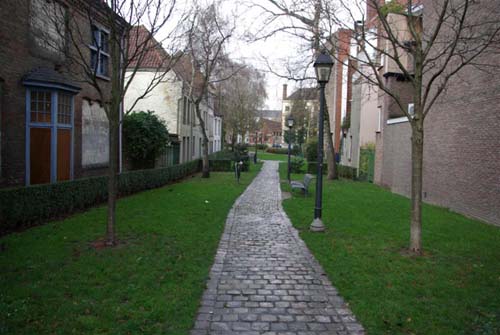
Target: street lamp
{"type": "Point", "coordinates": [289, 124]}
{"type": "Point", "coordinates": [255, 143]}
{"type": "Point", "coordinates": [323, 68]}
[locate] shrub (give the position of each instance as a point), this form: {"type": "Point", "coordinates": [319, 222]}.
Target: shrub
{"type": "Point", "coordinates": [312, 150]}
{"type": "Point", "coordinates": [346, 172]}
{"type": "Point", "coordinates": [221, 165]}
{"type": "Point", "coordinates": [296, 165]}
{"type": "Point", "coordinates": [262, 146]}
{"type": "Point", "coordinates": [312, 167]}
{"type": "Point", "coordinates": [26, 206]}
{"type": "Point", "coordinates": [145, 137]}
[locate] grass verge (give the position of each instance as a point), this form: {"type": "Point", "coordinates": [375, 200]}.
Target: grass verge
{"type": "Point", "coordinates": [453, 289]}
{"type": "Point", "coordinates": [53, 282]}
{"type": "Point", "coordinates": [271, 157]}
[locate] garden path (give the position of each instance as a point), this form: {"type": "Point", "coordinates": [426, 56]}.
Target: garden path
{"type": "Point", "coordinates": [264, 279]}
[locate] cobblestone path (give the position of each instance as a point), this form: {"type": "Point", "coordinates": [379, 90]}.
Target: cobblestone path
{"type": "Point", "coordinates": [264, 280]}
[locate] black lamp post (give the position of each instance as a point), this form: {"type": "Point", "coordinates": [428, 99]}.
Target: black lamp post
{"type": "Point", "coordinates": [255, 143]}
{"type": "Point", "coordinates": [323, 67]}
{"type": "Point", "coordinates": [289, 124]}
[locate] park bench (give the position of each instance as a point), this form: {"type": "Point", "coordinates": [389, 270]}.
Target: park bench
{"type": "Point", "coordinates": [303, 185]}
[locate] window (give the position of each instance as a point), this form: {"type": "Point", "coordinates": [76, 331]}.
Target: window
{"type": "Point", "coordinates": [41, 106]}
{"type": "Point", "coordinates": [64, 108]}
{"type": "Point", "coordinates": [99, 51]}
{"type": "Point", "coordinates": [49, 133]}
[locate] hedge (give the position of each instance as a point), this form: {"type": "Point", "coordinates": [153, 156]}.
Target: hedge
{"type": "Point", "coordinates": [221, 165]}
{"type": "Point", "coordinates": [347, 172]}
{"type": "Point", "coordinates": [26, 206]}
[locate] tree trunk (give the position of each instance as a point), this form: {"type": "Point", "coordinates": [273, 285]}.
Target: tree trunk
{"type": "Point", "coordinates": [330, 149]}
{"type": "Point", "coordinates": [112, 178]}
{"type": "Point", "coordinates": [205, 171]}
{"type": "Point", "coordinates": [417, 150]}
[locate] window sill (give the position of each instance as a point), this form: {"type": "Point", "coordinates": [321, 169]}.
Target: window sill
{"type": "Point", "coordinates": [397, 120]}
{"type": "Point", "coordinates": [100, 76]}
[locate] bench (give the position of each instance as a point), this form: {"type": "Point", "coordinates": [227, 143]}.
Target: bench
{"type": "Point", "coordinates": [304, 185]}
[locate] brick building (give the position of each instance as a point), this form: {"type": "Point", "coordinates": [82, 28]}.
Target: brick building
{"type": "Point", "coordinates": [461, 145]}
{"type": "Point", "coordinates": [52, 125]}
{"type": "Point", "coordinates": [269, 133]}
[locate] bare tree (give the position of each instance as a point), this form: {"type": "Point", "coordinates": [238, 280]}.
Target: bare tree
{"type": "Point", "coordinates": [308, 21]}
{"type": "Point", "coordinates": [392, 40]}
{"type": "Point", "coordinates": [102, 45]}
{"type": "Point", "coordinates": [243, 95]}
{"type": "Point", "coordinates": [207, 35]}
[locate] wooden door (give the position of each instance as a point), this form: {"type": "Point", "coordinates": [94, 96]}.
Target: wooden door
{"type": "Point", "coordinates": [63, 154]}
{"type": "Point", "coordinates": [40, 155]}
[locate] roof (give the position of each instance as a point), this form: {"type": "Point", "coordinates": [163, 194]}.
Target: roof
{"type": "Point", "coordinates": [270, 113]}
{"type": "Point", "coordinates": [306, 93]}
{"type": "Point", "coordinates": [274, 126]}
{"type": "Point", "coordinates": [47, 77]}
{"type": "Point", "coordinates": [153, 57]}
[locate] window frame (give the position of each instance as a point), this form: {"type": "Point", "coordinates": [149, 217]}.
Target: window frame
{"type": "Point", "coordinates": [100, 52]}
{"type": "Point", "coordinates": [53, 125]}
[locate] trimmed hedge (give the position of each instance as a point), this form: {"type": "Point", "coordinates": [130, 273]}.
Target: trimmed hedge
{"type": "Point", "coordinates": [221, 165]}
{"type": "Point", "coordinates": [26, 206]}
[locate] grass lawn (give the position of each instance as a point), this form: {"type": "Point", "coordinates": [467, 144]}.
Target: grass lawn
{"type": "Point", "coordinates": [53, 282]}
{"type": "Point", "coordinates": [271, 157]}
{"type": "Point", "coordinates": [453, 289]}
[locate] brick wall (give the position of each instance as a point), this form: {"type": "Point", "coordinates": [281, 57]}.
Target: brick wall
{"type": "Point", "coordinates": [461, 147]}
{"type": "Point", "coordinates": [19, 55]}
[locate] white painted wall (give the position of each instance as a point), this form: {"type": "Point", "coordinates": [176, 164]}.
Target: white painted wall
{"type": "Point", "coordinates": [163, 100]}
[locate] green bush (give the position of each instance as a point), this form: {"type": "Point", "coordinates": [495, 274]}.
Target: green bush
{"type": "Point", "coordinates": [296, 165]}
{"type": "Point", "coordinates": [313, 166]}
{"type": "Point", "coordinates": [262, 146]}
{"type": "Point", "coordinates": [221, 165]}
{"type": "Point", "coordinates": [27, 206]}
{"type": "Point", "coordinates": [312, 150]}
{"type": "Point", "coordinates": [346, 172]}
{"type": "Point", "coordinates": [145, 137]}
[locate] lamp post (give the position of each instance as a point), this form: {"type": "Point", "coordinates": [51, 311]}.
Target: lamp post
{"type": "Point", "coordinates": [323, 68]}
{"type": "Point", "coordinates": [289, 124]}
{"type": "Point", "coordinates": [255, 142]}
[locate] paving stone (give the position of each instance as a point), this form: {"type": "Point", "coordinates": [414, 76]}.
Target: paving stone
{"type": "Point", "coordinates": [264, 280]}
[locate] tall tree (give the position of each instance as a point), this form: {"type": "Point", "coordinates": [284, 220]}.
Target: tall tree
{"type": "Point", "coordinates": [207, 35]}
{"type": "Point", "coordinates": [309, 21]}
{"type": "Point", "coordinates": [103, 45]}
{"type": "Point", "coordinates": [392, 38]}
{"type": "Point", "coordinates": [243, 95]}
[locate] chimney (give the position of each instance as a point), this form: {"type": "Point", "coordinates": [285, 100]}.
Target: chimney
{"type": "Point", "coordinates": [284, 91]}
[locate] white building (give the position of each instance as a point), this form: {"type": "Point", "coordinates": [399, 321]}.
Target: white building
{"type": "Point", "coordinates": [170, 101]}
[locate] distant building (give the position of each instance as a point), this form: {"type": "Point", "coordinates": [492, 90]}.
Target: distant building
{"type": "Point", "coordinates": [303, 104]}
{"type": "Point", "coordinates": [270, 114]}
{"type": "Point", "coordinates": [169, 100]}
{"type": "Point", "coordinates": [268, 133]}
